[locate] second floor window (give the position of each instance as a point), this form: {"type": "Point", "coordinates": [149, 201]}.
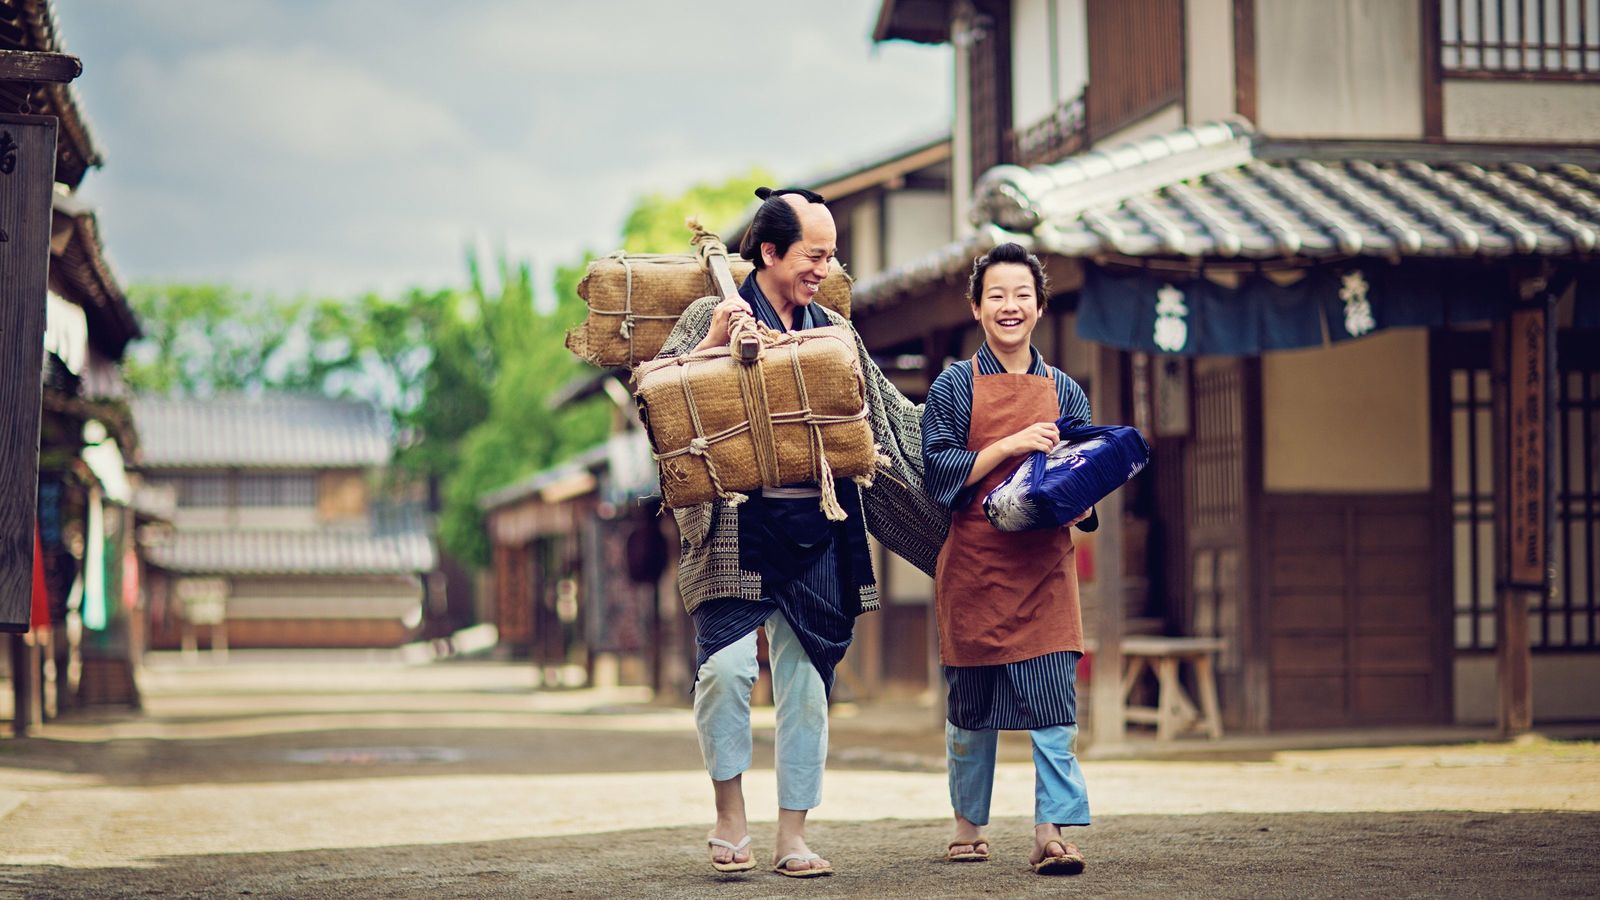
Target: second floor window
{"type": "Point", "coordinates": [1520, 39]}
{"type": "Point", "coordinates": [277, 490]}
{"type": "Point", "coordinates": [214, 491]}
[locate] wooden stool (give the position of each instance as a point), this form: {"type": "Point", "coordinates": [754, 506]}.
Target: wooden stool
{"type": "Point", "coordinates": [1174, 713]}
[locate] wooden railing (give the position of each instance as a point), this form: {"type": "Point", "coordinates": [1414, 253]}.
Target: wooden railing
{"type": "Point", "coordinates": [1556, 40]}
{"type": "Point", "coordinates": [1062, 133]}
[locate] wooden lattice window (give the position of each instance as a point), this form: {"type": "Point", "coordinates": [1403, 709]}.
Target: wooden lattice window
{"type": "Point", "coordinates": [277, 490]}
{"type": "Point", "coordinates": [1568, 616]}
{"type": "Point", "coordinates": [1520, 39]}
{"type": "Point", "coordinates": [984, 32]}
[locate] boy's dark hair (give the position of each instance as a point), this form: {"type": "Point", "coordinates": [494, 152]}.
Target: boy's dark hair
{"type": "Point", "coordinates": [775, 223]}
{"type": "Point", "coordinates": [1009, 253]}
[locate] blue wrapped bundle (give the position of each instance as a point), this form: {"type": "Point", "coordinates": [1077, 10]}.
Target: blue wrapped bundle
{"type": "Point", "coordinates": [1051, 489]}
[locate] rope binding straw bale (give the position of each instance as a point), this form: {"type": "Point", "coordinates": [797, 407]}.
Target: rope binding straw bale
{"type": "Point", "coordinates": [760, 419]}
{"type": "Point", "coordinates": [746, 331]}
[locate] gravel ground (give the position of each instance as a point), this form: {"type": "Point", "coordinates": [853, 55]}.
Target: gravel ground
{"type": "Point", "coordinates": [382, 780]}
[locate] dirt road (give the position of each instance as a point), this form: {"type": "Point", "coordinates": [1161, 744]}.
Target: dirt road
{"type": "Point", "coordinates": [374, 779]}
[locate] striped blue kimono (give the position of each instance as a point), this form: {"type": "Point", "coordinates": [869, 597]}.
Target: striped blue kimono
{"type": "Point", "coordinates": [1031, 693]}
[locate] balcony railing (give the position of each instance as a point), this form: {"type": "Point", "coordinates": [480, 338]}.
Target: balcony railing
{"type": "Point", "coordinates": [1063, 132]}
{"type": "Point", "coordinates": [1556, 40]}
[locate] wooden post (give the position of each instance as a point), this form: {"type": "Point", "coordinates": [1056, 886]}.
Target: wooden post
{"type": "Point", "coordinates": [24, 663]}
{"type": "Point", "coordinates": [1105, 683]}
{"type": "Point", "coordinates": [1525, 361]}
{"type": "Point", "coordinates": [27, 173]}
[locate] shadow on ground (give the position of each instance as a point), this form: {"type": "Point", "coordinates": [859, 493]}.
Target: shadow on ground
{"type": "Point", "coordinates": [331, 754]}
{"type": "Point", "coordinates": [1302, 855]}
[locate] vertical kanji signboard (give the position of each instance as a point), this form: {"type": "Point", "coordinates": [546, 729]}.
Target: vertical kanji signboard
{"type": "Point", "coordinates": [1528, 481]}
{"type": "Point", "coordinates": [27, 176]}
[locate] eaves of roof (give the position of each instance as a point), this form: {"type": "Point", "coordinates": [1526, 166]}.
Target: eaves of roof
{"type": "Point", "coordinates": [1221, 191]}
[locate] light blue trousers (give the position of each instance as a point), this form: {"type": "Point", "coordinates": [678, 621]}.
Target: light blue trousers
{"type": "Point", "coordinates": [1059, 794]}
{"type": "Point", "coordinates": [722, 713]}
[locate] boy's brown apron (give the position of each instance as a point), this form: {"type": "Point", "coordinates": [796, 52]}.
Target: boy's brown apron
{"type": "Point", "coordinates": [1001, 596]}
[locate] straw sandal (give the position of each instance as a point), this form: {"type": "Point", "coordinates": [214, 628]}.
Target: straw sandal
{"type": "Point", "coordinates": [978, 853]}
{"type": "Point", "coordinates": [732, 865]}
{"type": "Point", "coordinates": [782, 866]}
{"type": "Point", "coordinates": [1068, 862]}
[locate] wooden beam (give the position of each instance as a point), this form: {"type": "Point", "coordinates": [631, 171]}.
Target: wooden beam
{"type": "Point", "coordinates": [1244, 59]}
{"type": "Point", "coordinates": [27, 179]}
{"type": "Point", "coordinates": [22, 65]}
{"type": "Point", "coordinates": [1513, 662]}
{"type": "Point", "coordinates": [1432, 74]}
{"type": "Point", "coordinates": [1105, 682]}
{"type": "Point", "coordinates": [936, 309]}
{"type": "Point", "coordinates": [24, 663]}
{"type": "Point", "coordinates": [1527, 419]}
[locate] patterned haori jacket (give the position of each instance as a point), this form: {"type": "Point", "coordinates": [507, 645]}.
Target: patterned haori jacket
{"type": "Point", "coordinates": [897, 510]}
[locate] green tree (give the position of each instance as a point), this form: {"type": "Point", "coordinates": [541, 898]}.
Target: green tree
{"type": "Point", "coordinates": [655, 225]}
{"type": "Point", "coordinates": [521, 434]}
{"type": "Point", "coordinates": [205, 339]}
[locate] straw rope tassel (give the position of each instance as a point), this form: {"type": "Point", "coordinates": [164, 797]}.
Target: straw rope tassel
{"type": "Point", "coordinates": [706, 244]}
{"type": "Point", "coordinates": [830, 493]}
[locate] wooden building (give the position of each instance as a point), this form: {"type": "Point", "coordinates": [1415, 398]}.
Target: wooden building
{"type": "Point", "coordinates": [81, 645]}
{"type": "Point", "coordinates": [1337, 259]}
{"type": "Point", "coordinates": [585, 568]}
{"type": "Point", "coordinates": [277, 538]}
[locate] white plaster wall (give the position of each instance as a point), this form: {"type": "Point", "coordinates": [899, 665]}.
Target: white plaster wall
{"type": "Point", "coordinates": [915, 224]}
{"type": "Point", "coordinates": [277, 518]}
{"type": "Point", "coordinates": [1566, 688]}
{"type": "Point", "coordinates": [201, 517]}
{"type": "Point", "coordinates": [378, 597]}
{"type": "Point", "coordinates": [1348, 418]}
{"type": "Point", "coordinates": [1072, 47]}
{"type": "Point", "coordinates": [1517, 111]}
{"type": "Point", "coordinates": [1031, 95]}
{"type": "Point", "coordinates": [961, 146]}
{"type": "Point", "coordinates": [1208, 59]}
{"type": "Point", "coordinates": [866, 256]}
{"type": "Point", "coordinates": [1339, 68]}
{"type": "Point", "coordinates": [1167, 118]}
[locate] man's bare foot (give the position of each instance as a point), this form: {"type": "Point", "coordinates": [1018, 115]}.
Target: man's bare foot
{"type": "Point", "coordinates": [968, 844]}
{"type": "Point", "coordinates": [1052, 854]}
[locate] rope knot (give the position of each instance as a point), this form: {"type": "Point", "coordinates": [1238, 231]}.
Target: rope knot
{"type": "Point", "coordinates": [699, 446]}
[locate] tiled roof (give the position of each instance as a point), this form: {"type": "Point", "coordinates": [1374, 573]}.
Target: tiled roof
{"type": "Point", "coordinates": [30, 25]}
{"type": "Point", "coordinates": [88, 278]}
{"type": "Point", "coordinates": [532, 485]}
{"type": "Point", "coordinates": [1221, 191]}
{"type": "Point", "coordinates": [273, 431]}
{"type": "Point", "coordinates": [323, 552]}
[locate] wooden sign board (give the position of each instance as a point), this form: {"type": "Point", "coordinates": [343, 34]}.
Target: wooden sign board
{"type": "Point", "coordinates": [27, 178]}
{"type": "Point", "coordinates": [1529, 494]}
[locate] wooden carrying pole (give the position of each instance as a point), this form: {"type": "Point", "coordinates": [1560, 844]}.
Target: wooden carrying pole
{"type": "Point", "coordinates": [715, 254]}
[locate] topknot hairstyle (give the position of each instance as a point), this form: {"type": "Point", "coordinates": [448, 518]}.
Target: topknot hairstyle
{"type": "Point", "coordinates": [775, 223]}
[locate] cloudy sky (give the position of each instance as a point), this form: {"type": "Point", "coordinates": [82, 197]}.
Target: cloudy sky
{"type": "Point", "coordinates": [336, 146]}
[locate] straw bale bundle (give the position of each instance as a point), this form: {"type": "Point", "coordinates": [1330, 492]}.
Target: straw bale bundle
{"type": "Point", "coordinates": [635, 299]}
{"type": "Point", "coordinates": [796, 413]}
